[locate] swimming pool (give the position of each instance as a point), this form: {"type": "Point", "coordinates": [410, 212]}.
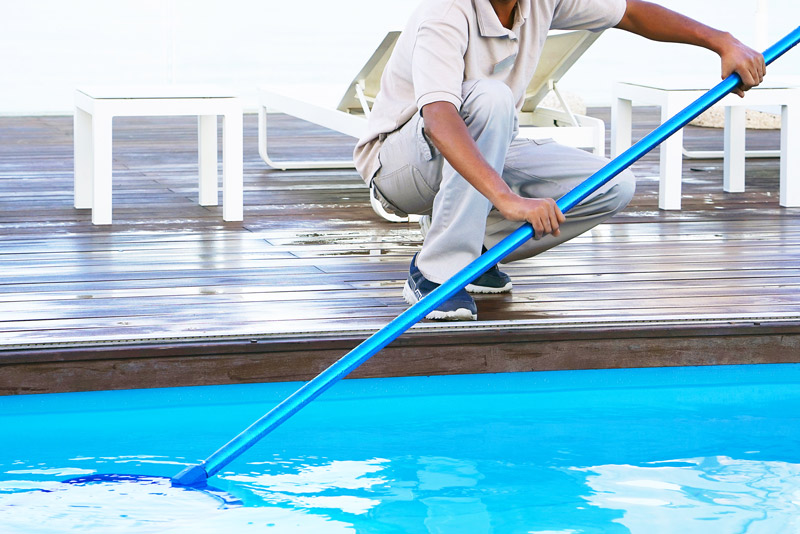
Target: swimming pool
{"type": "Point", "coordinates": [709, 449]}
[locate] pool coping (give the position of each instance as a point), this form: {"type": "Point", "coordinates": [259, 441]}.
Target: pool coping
{"type": "Point", "coordinates": [427, 349]}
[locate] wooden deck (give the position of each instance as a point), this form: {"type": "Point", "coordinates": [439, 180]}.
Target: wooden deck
{"type": "Point", "coordinates": [171, 295]}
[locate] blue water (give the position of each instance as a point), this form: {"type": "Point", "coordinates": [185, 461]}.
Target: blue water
{"type": "Point", "coordinates": [711, 449]}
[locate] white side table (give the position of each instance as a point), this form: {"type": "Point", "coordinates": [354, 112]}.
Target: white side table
{"type": "Point", "coordinates": [673, 98]}
{"type": "Point", "coordinates": [95, 108]}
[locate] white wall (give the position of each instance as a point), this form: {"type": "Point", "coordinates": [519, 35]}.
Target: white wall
{"type": "Point", "coordinates": [48, 47]}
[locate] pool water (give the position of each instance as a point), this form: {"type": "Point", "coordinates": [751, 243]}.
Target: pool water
{"type": "Point", "coordinates": [710, 449]}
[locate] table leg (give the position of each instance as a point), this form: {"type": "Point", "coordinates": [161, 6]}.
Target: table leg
{"type": "Point", "coordinates": [671, 167]}
{"type": "Point", "coordinates": [733, 173]}
{"type": "Point", "coordinates": [621, 125]}
{"type": "Point", "coordinates": [790, 163]}
{"type": "Point", "coordinates": [83, 158]}
{"type": "Point", "coordinates": [101, 163]}
{"type": "Point", "coordinates": [232, 163]}
{"type": "Point", "coordinates": [207, 159]}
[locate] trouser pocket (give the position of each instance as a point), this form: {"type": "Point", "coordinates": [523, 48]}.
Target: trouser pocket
{"type": "Point", "coordinates": [410, 171]}
{"type": "Point", "coordinates": [404, 191]}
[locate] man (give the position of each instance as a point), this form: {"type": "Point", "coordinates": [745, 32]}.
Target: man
{"type": "Point", "coordinates": [442, 134]}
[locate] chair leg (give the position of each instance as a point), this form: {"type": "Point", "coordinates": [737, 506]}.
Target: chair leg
{"type": "Point", "coordinates": [284, 165]}
{"type": "Point", "coordinates": [379, 210]}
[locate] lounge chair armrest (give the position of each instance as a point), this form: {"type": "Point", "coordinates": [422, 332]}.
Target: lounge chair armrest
{"type": "Point", "coordinates": [349, 124]}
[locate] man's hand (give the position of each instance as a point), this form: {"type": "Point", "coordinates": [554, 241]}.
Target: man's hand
{"type": "Point", "coordinates": [445, 127]}
{"type": "Point", "coordinates": [743, 60]}
{"type": "Point", "coordinates": [543, 213]}
{"type": "Point", "coordinates": [661, 24]}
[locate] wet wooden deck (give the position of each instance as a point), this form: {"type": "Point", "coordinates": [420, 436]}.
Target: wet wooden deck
{"type": "Point", "coordinates": [171, 295]}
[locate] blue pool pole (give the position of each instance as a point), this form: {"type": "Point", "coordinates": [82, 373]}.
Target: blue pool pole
{"type": "Point", "coordinates": [197, 475]}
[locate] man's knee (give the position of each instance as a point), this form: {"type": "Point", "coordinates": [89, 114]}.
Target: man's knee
{"type": "Point", "coordinates": [626, 186]}
{"type": "Point", "coordinates": [488, 100]}
{"type": "Point", "coordinates": [618, 195]}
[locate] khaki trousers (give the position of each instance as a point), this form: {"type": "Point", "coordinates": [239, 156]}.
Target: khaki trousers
{"type": "Point", "coordinates": [415, 178]}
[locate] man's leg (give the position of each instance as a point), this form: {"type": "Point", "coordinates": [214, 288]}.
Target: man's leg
{"type": "Point", "coordinates": [414, 178]}
{"type": "Point", "coordinates": [545, 169]}
{"type": "Point", "coordinates": [458, 221]}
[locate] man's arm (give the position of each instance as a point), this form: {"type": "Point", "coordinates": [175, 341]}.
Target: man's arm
{"type": "Point", "coordinates": [449, 134]}
{"type": "Point", "coordinates": [660, 24]}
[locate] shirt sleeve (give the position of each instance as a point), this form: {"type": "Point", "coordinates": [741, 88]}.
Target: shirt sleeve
{"type": "Point", "coordinates": [437, 62]}
{"type": "Point", "coordinates": [593, 15]}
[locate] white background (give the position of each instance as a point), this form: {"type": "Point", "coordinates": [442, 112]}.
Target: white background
{"type": "Point", "coordinates": [48, 47]}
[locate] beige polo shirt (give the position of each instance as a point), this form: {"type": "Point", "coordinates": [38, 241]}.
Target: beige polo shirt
{"type": "Point", "coordinates": [449, 41]}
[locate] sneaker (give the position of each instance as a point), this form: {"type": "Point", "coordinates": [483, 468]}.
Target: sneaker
{"type": "Point", "coordinates": [492, 281]}
{"type": "Point", "coordinates": [459, 307]}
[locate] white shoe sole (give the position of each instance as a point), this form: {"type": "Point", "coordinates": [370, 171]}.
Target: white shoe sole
{"type": "Point", "coordinates": [461, 314]}
{"type": "Point", "coordinates": [487, 290]}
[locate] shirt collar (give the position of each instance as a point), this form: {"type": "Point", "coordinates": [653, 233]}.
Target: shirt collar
{"type": "Point", "coordinates": [488, 23]}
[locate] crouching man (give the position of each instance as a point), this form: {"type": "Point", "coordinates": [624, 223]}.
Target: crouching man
{"type": "Point", "coordinates": [442, 137]}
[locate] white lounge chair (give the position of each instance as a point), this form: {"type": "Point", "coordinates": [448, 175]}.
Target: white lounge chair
{"type": "Point", "coordinates": [349, 117]}
{"type": "Point", "coordinates": [561, 50]}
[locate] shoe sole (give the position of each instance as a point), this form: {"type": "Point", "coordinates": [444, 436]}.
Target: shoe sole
{"type": "Point", "coordinates": [488, 290]}
{"type": "Point", "coordinates": [461, 314]}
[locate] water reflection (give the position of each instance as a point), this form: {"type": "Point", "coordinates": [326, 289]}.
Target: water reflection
{"type": "Point", "coordinates": [407, 494]}
{"type": "Point", "coordinates": [141, 508]}
{"type": "Point", "coordinates": [426, 494]}
{"type": "Point", "coordinates": [449, 510]}
{"type": "Point", "coordinates": [700, 495]}
{"type": "Point", "coordinates": [322, 486]}
{"type": "Point", "coordinates": [444, 494]}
